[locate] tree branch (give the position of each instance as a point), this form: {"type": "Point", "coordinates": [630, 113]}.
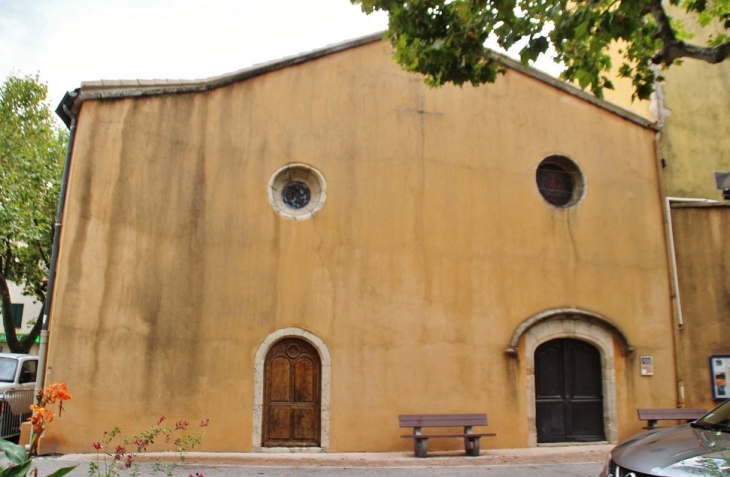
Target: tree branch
{"type": "Point", "coordinates": [673, 49]}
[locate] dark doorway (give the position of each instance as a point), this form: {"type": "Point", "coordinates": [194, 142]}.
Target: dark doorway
{"type": "Point", "coordinates": [568, 392]}
{"type": "Point", "coordinates": [292, 395]}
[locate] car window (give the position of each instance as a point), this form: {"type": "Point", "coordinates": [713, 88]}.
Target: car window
{"type": "Point", "coordinates": [28, 372]}
{"type": "Point", "coordinates": [7, 369]}
{"type": "Point", "coordinates": [718, 418]}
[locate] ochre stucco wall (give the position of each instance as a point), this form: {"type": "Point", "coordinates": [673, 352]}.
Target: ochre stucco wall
{"type": "Point", "coordinates": [703, 264]}
{"type": "Point", "coordinates": [695, 139]}
{"type": "Point", "coordinates": [433, 246]}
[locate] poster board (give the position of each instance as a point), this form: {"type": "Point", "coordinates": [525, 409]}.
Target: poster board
{"type": "Point", "coordinates": [647, 366]}
{"type": "Point", "coordinates": [719, 371]}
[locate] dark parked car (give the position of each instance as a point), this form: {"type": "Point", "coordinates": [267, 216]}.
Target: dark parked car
{"type": "Point", "coordinates": [701, 448]}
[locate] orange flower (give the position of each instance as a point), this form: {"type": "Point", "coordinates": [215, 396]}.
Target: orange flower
{"type": "Point", "coordinates": [44, 413]}
{"type": "Point", "coordinates": [41, 416]}
{"type": "Point", "coordinates": [57, 392]}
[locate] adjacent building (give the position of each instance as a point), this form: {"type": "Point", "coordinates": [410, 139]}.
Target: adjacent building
{"type": "Point", "coordinates": [693, 109]}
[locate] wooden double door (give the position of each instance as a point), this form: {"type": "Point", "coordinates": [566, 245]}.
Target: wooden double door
{"type": "Point", "coordinates": [568, 392]}
{"type": "Point", "coordinates": [292, 395]}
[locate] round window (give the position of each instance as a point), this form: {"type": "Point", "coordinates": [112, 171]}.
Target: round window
{"type": "Point", "coordinates": [560, 181]}
{"type": "Point", "coordinates": [297, 191]}
{"type": "Point", "coordinates": [296, 194]}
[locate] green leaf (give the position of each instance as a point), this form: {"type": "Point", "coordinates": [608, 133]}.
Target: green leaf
{"type": "Point", "coordinates": [62, 471]}
{"type": "Point", "coordinates": [17, 471]}
{"type": "Point", "coordinates": [525, 55]}
{"type": "Point", "coordinates": [581, 31]}
{"type": "Point", "coordinates": [584, 78]}
{"type": "Point", "coordinates": [15, 453]}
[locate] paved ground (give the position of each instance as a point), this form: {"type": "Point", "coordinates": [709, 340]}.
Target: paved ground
{"type": "Point", "coordinates": [578, 461]}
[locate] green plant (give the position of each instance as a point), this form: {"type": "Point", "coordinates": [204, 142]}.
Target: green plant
{"type": "Point", "coordinates": [115, 453]}
{"type": "Point", "coordinates": [22, 462]}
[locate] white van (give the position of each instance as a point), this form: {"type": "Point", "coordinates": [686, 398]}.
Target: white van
{"type": "Point", "coordinates": [17, 391]}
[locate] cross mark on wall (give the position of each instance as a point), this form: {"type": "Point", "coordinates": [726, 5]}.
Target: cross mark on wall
{"type": "Point", "coordinates": [421, 111]}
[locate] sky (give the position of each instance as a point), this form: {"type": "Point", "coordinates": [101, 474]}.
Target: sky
{"type": "Point", "coordinates": [66, 42]}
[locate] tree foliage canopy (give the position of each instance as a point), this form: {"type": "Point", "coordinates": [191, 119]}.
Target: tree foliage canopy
{"type": "Point", "coordinates": [32, 150]}
{"type": "Point", "coordinates": [444, 39]}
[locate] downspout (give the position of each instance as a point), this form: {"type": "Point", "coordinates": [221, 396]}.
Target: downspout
{"type": "Point", "coordinates": [43, 346]}
{"type": "Point", "coordinates": [672, 252]}
{"type": "Point", "coordinates": [675, 282]}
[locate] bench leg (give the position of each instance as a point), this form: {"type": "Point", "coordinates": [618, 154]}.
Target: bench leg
{"type": "Point", "coordinates": [420, 447]}
{"type": "Point", "coordinates": [471, 445]}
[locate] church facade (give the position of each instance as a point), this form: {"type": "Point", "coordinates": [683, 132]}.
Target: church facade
{"type": "Point", "coordinates": [302, 250]}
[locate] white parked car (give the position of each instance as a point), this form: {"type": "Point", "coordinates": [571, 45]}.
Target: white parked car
{"type": "Point", "coordinates": [700, 448]}
{"type": "Point", "coordinates": [17, 391]}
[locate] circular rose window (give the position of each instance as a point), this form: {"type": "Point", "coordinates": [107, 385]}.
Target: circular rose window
{"type": "Point", "coordinates": [297, 191]}
{"type": "Point", "coordinates": [560, 181]}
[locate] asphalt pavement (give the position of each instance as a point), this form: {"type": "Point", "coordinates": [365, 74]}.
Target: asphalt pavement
{"type": "Point", "coordinates": [553, 461]}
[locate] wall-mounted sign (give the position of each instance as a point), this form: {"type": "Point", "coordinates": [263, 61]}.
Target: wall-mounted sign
{"type": "Point", "coordinates": [719, 369]}
{"type": "Point", "coordinates": [647, 366]}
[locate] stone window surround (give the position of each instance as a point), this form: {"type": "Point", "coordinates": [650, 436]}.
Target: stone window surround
{"type": "Point", "coordinates": [258, 393]}
{"type": "Point", "coordinates": [311, 177]}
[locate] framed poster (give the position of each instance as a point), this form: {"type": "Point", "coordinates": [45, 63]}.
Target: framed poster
{"type": "Point", "coordinates": [719, 370]}
{"type": "Point", "coordinates": [647, 366]}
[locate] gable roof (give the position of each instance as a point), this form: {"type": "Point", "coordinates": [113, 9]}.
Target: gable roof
{"type": "Point", "coordinates": [111, 89]}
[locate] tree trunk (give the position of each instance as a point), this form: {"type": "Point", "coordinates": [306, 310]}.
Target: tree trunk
{"type": "Point", "coordinates": [14, 344]}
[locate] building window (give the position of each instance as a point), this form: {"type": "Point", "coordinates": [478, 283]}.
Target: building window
{"type": "Point", "coordinates": [297, 191]}
{"type": "Point", "coordinates": [28, 372]}
{"type": "Point", "coordinates": [296, 195]}
{"type": "Point", "coordinates": [17, 311]}
{"type": "Point", "coordinates": [560, 181]}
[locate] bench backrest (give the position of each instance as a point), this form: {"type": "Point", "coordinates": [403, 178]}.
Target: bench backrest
{"type": "Point", "coordinates": [442, 420]}
{"type": "Point", "coordinates": [671, 413]}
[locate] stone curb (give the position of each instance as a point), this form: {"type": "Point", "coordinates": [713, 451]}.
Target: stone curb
{"type": "Point", "coordinates": [488, 457]}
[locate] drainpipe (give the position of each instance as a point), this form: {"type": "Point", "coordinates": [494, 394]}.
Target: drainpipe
{"type": "Point", "coordinates": [675, 282]}
{"type": "Point", "coordinates": [672, 253]}
{"type": "Point", "coordinates": [43, 346]}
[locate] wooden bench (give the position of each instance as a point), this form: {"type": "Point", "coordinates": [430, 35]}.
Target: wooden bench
{"type": "Point", "coordinates": [651, 416]}
{"type": "Point", "coordinates": [467, 421]}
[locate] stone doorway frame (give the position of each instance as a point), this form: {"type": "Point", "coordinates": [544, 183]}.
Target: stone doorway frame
{"type": "Point", "coordinates": [578, 324]}
{"type": "Point", "coordinates": [258, 392]}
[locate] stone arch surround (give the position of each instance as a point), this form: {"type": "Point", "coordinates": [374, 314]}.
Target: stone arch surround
{"type": "Point", "coordinates": [586, 326]}
{"type": "Point", "coordinates": [258, 397]}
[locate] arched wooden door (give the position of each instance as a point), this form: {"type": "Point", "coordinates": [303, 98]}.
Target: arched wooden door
{"type": "Point", "coordinates": [568, 392]}
{"type": "Point", "coordinates": [292, 395]}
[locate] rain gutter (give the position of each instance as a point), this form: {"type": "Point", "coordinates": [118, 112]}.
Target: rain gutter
{"type": "Point", "coordinates": [64, 111]}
